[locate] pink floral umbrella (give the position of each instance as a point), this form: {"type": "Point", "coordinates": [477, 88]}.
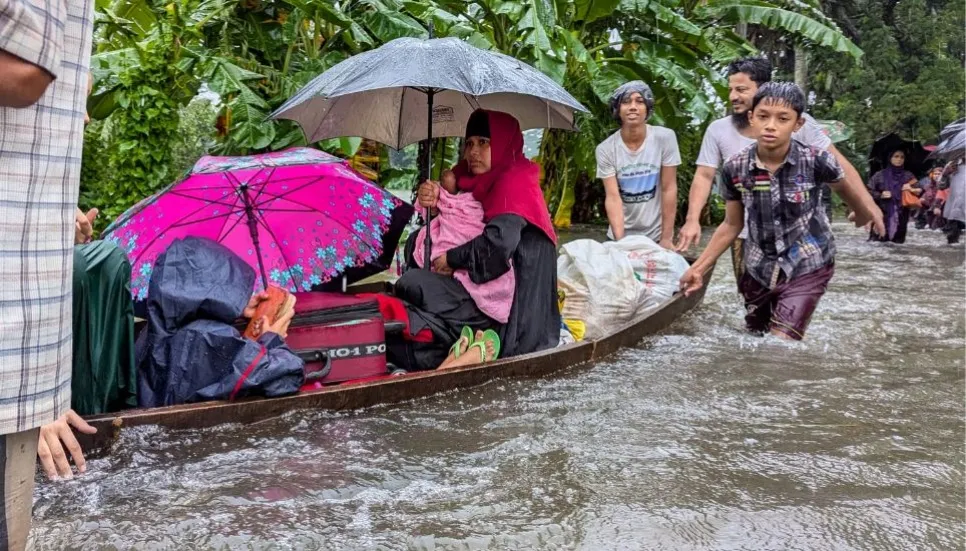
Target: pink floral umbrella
{"type": "Point", "coordinates": [300, 217]}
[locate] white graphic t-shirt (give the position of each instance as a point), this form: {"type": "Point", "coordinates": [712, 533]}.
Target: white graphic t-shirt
{"type": "Point", "coordinates": [639, 177]}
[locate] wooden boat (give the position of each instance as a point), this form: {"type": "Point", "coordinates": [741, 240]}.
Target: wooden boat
{"type": "Point", "coordinates": [385, 390]}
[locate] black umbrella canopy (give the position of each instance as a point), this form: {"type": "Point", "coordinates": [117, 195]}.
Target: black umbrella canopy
{"type": "Point", "coordinates": [916, 154]}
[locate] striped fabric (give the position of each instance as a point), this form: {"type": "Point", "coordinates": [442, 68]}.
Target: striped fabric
{"type": "Point", "coordinates": [788, 230]}
{"type": "Point", "coordinates": [40, 157]}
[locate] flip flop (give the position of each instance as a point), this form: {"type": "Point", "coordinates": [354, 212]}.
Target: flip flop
{"type": "Point", "coordinates": [466, 333]}
{"type": "Point", "coordinates": [488, 336]}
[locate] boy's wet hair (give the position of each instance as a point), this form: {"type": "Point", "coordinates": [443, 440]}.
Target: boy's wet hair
{"type": "Point", "coordinates": [757, 68]}
{"type": "Point", "coordinates": [787, 93]}
{"type": "Point", "coordinates": [625, 90]}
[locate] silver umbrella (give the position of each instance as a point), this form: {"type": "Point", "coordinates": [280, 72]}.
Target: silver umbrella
{"type": "Point", "coordinates": [410, 89]}
{"type": "Point", "coordinates": [382, 94]}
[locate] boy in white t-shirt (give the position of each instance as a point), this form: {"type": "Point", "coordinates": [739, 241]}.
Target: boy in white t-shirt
{"type": "Point", "coordinates": [638, 165]}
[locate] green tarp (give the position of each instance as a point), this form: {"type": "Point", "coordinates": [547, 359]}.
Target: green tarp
{"type": "Point", "coordinates": [104, 373]}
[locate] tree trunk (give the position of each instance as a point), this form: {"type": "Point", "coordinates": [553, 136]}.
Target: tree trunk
{"type": "Point", "coordinates": [556, 165]}
{"type": "Point", "coordinates": [588, 200]}
{"type": "Point", "coordinates": [801, 68]}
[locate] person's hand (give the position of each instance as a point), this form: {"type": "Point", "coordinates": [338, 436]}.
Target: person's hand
{"type": "Point", "coordinates": [937, 211]}
{"type": "Point", "coordinates": [878, 225]}
{"type": "Point", "coordinates": [280, 327]}
{"type": "Point", "coordinates": [54, 437]}
{"type": "Point", "coordinates": [886, 195]}
{"type": "Point", "coordinates": [689, 236]}
{"type": "Point", "coordinates": [441, 266]}
{"type": "Point", "coordinates": [851, 216]}
{"type": "Point", "coordinates": [253, 303]}
{"type": "Point", "coordinates": [428, 194]}
{"type": "Point", "coordinates": [667, 243]}
{"type": "Point", "coordinates": [84, 225]}
{"type": "Point", "coordinates": [691, 281]}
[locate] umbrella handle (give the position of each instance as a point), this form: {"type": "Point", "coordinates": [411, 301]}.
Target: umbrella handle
{"type": "Point", "coordinates": [428, 243]}
{"type": "Point", "coordinates": [428, 258]}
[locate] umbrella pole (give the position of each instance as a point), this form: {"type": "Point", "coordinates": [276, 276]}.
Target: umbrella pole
{"type": "Point", "coordinates": [428, 257]}
{"type": "Point", "coordinates": [253, 231]}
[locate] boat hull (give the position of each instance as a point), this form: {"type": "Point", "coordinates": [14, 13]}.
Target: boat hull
{"type": "Point", "coordinates": [387, 390]}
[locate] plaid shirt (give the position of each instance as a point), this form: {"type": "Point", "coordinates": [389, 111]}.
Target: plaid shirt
{"type": "Point", "coordinates": [40, 158]}
{"type": "Point", "coordinates": [788, 230]}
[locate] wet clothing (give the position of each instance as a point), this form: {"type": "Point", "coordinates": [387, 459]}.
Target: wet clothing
{"type": "Point", "coordinates": [924, 216]}
{"type": "Point", "coordinates": [512, 185]}
{"type": "Point", "coordinates": [104, 373]}
{"type": "Point", "coordinates": [40, 167]}
{"type": "Point", "coordinates": [460, 220]}
{"type": "Point", "coordinates": [518, 230]}
{"type": "Point", "coordinates": [190, 351]}
{"type": "Point", "coordinates": [788, 231]}
{"type": "Point", "coordinates": [722, 140]}
{"type": "Point", "coordinates": [895, 216]}
{"type": "Point", "coordinates": [954, 231]}
{"type": "Point", "coordinates": [955, 181]}
{"type": "Point", "coordinates": [638, 175]}
{"type": "Point", "coordinates": [788, 306]}
{"type": "Point", "coordinates": [443, 306]}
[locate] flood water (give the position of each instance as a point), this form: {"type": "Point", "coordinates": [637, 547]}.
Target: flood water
{"type": "Point", "coordinates": [703, 437]}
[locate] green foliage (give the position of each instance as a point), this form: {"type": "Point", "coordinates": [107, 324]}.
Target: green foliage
{"type": "Point", "coordinates": [137, 153]}
{"type": "Point", "coordinates": [152, 57]}
{"type": "Point", "coordinates": [912, 80]}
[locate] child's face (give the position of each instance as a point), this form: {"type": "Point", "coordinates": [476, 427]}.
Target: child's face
{"type": "Point", "coordinates": [775, 121]}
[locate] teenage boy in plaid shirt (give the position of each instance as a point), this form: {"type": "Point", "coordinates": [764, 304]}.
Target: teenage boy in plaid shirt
{"type": "Point", "coordinates": [790, 252]}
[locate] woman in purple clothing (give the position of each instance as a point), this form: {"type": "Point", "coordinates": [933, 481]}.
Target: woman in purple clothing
{"type": "Point", "coordinates": [887, 186]}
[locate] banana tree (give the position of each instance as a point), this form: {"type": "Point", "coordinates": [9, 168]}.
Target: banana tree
{"type": "Point", "coordinates": [592, 46]}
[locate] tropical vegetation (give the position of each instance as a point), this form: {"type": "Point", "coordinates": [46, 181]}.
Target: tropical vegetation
{"type": "Point", "coordinates": [180, 78]}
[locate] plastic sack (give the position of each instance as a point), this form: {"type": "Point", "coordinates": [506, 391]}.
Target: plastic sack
{"type": "Point", "coordinates": [600, 287]}
{"type": "Point", "coordinates": [656, 268]}
{"type": "Point", "coordinates": [607, 285]}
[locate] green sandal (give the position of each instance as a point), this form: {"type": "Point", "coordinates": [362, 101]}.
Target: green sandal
{"type": "Point", "coordinates": [488, 336]}
{"type": "Point", "coordinates": [467, 334]}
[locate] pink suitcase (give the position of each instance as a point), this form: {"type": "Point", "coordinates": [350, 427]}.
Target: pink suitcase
{"type": "Point", "coordinates": [340, 337]}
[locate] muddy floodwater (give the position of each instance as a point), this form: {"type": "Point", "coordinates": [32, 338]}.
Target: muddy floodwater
{"type": "Point", "coordinates": [703, 437]}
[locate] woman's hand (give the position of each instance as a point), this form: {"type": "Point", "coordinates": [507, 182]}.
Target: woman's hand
{"type": "Point", "coordinates": [441, 266]}
{"type": "Point", "coordinates": [886, 195]}
{"type": "Point", "coordinates": [428, 194]}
